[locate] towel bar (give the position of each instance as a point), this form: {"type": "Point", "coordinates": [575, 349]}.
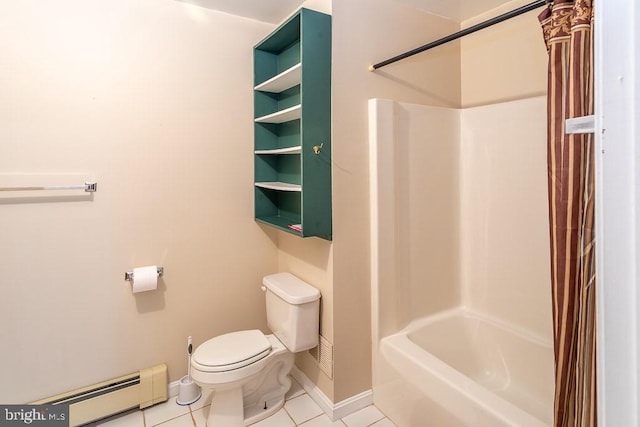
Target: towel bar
{"type": "Point", "coordinates": [89, 187]}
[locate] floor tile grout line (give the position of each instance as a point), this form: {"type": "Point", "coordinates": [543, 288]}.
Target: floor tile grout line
{"type": "Point", "coordinates": [311, 419]}
{"type": "Point", "coordinates": [167, 419]}
{"type": "Point", "coordinates": [290, 417]}
{"type": "Point", "coordinates": [305, 421]}
{"type": "Point", "coordinates": [193, 420]}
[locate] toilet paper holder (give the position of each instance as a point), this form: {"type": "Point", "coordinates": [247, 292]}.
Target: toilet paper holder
{"type": "Point", "coordinates": [129, 274]}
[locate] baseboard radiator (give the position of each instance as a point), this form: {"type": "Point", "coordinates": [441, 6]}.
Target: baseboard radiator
{"type": "Point", "coordinates": [137, 390]}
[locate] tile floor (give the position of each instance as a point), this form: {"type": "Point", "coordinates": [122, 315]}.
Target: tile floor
{"type": "Point", "coordinates": [299, 410]}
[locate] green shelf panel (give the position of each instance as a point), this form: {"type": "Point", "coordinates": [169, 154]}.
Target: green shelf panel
{"type": "Point", "coordinates": [270, 136]}
{"type": "Point", "coordinates": [284, 36]}
{"type": "Point", "coordinates": [282, 204]}
{"type": "Point", "coordinates": [268, 103]}
{"type": "Point", "coordinates": [278, 52]}
{"type": "Point", "coordinates": [282, 168]}
{"type": "Point", "coordinates": [270, 64]}
{"type": "Point", "coordinates": [316, 123]}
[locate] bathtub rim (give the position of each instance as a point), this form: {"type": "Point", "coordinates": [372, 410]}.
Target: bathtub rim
{"type": "Point", "coordinates": [468, 312]}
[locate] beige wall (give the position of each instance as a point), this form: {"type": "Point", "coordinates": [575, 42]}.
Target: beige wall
{"type": "Point", "coordinates": [149, 97]}
{"type": "Point", "coordinates": [504, 62]}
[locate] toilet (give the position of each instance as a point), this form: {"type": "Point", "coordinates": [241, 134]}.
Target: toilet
{"type": "Point", "coordinates": [248, 371]}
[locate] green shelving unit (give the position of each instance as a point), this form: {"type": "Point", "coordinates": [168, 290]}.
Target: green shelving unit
{"type": "Point", "coordinates": [292, 130]}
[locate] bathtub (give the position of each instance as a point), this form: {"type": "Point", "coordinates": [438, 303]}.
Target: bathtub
{"type": "Point", "coordinates": [461, 368]}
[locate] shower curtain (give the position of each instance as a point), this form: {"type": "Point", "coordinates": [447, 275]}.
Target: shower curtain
{"type": "Point", "coordinates": [567, 28]}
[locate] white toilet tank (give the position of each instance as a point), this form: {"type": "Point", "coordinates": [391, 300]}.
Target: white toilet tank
{"type": "Point", "coordinates": [293, 311]}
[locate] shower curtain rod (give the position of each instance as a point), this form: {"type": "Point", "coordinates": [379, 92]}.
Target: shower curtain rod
{"type": "Point", "coordinates": [489, 22]}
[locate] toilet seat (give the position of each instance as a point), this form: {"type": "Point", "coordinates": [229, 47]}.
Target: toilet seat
{"type": "Point", "coordinates": [231, 351]}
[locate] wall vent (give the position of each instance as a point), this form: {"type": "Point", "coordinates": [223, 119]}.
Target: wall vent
{"type": "Point", "coordinates": [323, 353]}
{"type": "Point", "coordinates": [140, 389]}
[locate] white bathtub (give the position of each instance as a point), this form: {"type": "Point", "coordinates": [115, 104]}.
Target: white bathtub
{"type": "Point", "coordinates": [459, 368]}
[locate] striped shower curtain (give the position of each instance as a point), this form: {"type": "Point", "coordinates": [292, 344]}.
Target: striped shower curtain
{"type": "Point", "coordinates": [567, 27]}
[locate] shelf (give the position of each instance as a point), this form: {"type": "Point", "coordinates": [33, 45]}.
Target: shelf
{"type": "Point", "coordinates": [283, 81]}
{"type": "Point", "coordinates": [280, 186]}
{"type": "Point", "coordinates": [292, 73]}
{"type": "Point", "coordinates": [282, 116]}
{"type": "Point", "coordinates": [287, 150]}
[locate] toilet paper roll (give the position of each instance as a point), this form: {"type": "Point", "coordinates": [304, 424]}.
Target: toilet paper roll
{"type": "Point", "coordinates": [145, 279]}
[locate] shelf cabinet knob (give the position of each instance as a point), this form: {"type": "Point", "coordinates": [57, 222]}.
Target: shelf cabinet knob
{"type": "Point", "coordinates": [318, 148]}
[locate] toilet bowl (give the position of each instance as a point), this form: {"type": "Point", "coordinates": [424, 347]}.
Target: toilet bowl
{"type": "Point", "coordinates": [248, 371]}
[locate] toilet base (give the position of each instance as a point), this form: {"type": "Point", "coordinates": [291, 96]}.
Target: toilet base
{"type": "Point", "coordinates": [259, 412]}
{"type": "Point", "coordinates": [226, 413]}
{"type": "Point", "coordinates": [226, 409]}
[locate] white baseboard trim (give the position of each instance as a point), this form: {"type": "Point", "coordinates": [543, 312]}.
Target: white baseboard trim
{"type": "Point", "coordinates": [173, 389]}
{"type": "Point", "coordinates": [334, 411]}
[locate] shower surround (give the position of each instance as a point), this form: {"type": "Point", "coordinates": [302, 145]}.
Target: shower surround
{"type": "Point", "coordinates": [460, 264]}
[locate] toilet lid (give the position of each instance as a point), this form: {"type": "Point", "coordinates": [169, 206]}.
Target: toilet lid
{"type": "Point", "coordinates": [232, 351]}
